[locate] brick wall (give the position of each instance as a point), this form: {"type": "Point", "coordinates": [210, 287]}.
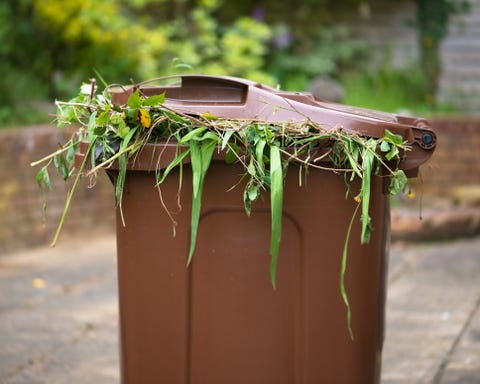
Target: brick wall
{"type": "Point", "coordinates": [21, 200]}
{"type": "Point", "coordinates": [455, 162]}
{"type": "Point", "coordinates": [389, 28]}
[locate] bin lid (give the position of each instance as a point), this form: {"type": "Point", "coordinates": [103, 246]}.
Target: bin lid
{"type": "Point", "coordinates": [236, 98]}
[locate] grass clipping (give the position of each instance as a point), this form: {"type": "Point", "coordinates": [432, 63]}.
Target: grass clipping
{"type": "Point", "coordinates": [264, 149]}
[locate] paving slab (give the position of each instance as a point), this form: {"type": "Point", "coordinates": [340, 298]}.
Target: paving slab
{"type": "Point", "coordinates": [58, 314]}
{"type": "Point", "coordinates": [433, 295]}
{"type": "Point", "coordinates": [463, 365]}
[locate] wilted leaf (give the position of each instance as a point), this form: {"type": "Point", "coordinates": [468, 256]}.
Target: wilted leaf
{"type": "Point", "coordinates": [43, 178]}
{"type": "Point", "coordinates": [247, 203]}
{"type": "Point", "coordinates": [398, 182]}
{"type": "Point", "coordinates": [70, 156]}
{"type": "Point", "coordinates": [252, 191]}
{"type": "Point", "coordinates": [61, 166]}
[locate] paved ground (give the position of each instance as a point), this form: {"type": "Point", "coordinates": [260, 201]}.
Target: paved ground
{"type": "Point", "coordinates": [58, 314]}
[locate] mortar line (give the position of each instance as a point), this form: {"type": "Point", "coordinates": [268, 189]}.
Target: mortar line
{"type": "Point", "coordinates": [448, 356]}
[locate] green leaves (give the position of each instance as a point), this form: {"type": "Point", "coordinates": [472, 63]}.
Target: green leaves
{"type": "Point", "coordinates": [276, 205]}
{"type": "Point", "coordinates": [201, 153]}
{"type": "Point", "coordinates": [196, 132]}
{"type": "Point", "coordinates": [343, 269]}
{"type": "Point", "coordinates": [259, 149]}
{"type": "Point", "coordinates": [161, 176]}
{"type": "Point", "coordinates": [122, 165]}
{"type": "Point", "coordinates": [226, 138]}
{"type": "Point", "coordinates": [154, 100]}
{"type": "Point", "coordinates": [123, 129]}
{"type": "Point", "coordinates": [368, 159]}
{"type": "Point", "coordinates": [263, 149]}
{"type": "Point", "coordinates": [135, 100]}
{"type": "Point", "coordinates": [390, 144]}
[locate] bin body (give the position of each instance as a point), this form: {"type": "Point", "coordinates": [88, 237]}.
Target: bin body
{"type": "Point", "coordinates": [219, 320]}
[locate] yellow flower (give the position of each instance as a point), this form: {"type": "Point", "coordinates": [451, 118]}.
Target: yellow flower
{"type": "Point", "coordinates": [209, 116]}
{"type": "Point", "coordinates": [357, 198]}
{"type": "Point", "coordinates": [410, 195]}
{"type": "Point", "coordinates": [144, 117]}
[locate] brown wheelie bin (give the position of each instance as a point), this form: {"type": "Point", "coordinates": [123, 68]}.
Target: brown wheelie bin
{"type": "Point", "coordinates": [219, 321]}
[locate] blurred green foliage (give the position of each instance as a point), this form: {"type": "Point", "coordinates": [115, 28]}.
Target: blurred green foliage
{"type": "Point", "coordinates": [330, 52]}
{"type": "Point", "coordinates": [387, 88]}
{"type": "Point", "coordinates": [48, 47]}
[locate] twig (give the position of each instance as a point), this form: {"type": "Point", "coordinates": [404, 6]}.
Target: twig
{"type": "Point", "coordinates": [52, 155]}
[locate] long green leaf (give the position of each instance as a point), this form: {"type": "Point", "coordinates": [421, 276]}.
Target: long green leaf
{"type": "Point", "coordinates": [172, 165]}
{"type": "Point", "coordinates": [201, 154]}
{"type": "Point", "coordinates": [122, 166]}
{"type": "Point", "coordinates": [368, 157]}
{"type": "Point", "coordinates": [71, 192]}
{"type": "Point", "coordinates": [343, 291]}
{"type": "Point", "coordinates": [276, 203]}
{"type": "Point", "coordinates": [192, 134]}
{"type": "Point", "coordinates": [226, 137]}
{"type": "Point", "coordinates": [207, 136]}
{"type": "Point", "coordinates": [259, 148]}
{"type": "Point", "coordinates": [196, 164]}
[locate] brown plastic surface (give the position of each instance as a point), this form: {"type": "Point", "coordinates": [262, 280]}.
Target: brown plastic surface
{"type": "Point", "coordinates": [219, 320]}
{"type": "Point", "coordinates": [235, 98]}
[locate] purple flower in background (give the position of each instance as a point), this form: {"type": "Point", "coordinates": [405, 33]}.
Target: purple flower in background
{"type": "Point", "coordinates": [258, 13]}
{"type": "Point", "coordinates": [283, 40]}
